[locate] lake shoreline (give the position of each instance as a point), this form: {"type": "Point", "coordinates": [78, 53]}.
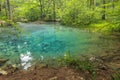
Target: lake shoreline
{"type": "Point", "coordinates": [104, 70]}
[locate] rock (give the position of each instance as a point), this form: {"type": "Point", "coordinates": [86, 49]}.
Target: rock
{"type": "Point", "coordinates": [54, 78]}
{"type": "Point", "coordinates": [103, 67]}
{"type": "Point", "coordinates": [96, 59]}
{"type": "Point", "coordinates": [2, 23]}
{"type": "Point", "coordinates": [14, 66]}
{"type": "Point", "coordinates": [11, 68]}
{"type": "Point", "coordinates": [2, 72]}
{"type": "Point", "coordinates": [41, 66]}
{"type": "Point", "coordinates": [92, 58]}
{"type": "Point", "coordinates": [3, 61]}
{"type": "Point", "coordinates": [81, 78]}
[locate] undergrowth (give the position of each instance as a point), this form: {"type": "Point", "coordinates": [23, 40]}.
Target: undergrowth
{"type": "Point", "coordinates": [75, 63]}
{"type": "Point", "coordinates": [116, 76]}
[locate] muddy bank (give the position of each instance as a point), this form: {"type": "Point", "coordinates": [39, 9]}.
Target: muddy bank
{"type": "Point", "coordinates": [105, 67]}
{"type": "Point", "coordinates": [52, 73]}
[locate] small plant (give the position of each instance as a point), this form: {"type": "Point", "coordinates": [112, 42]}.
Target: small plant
{"type": "Point", "coordinates": [116, 76]}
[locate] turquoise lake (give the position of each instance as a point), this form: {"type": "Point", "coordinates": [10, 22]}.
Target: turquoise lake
{"type": "Point", "coordinates": [43, 41]}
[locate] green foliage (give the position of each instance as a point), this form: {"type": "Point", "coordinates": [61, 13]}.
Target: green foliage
{"type": "Point", "coordinates": [75, 13]}
{"type": "Point", "coordinates": [69, 12]}
{"type": "Point", "coordinates": [33, 14]}
{"type": "Point", "coordinates": [105, 26]}
{"type": "Point", "coordinates": [116, 76]}
{"type": "Point", "coordinates": [84, 65]}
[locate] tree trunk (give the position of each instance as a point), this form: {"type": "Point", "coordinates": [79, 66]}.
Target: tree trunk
{"type": "Point", "coordinates": [113, 5]}
{"type": "Point", "coordinates": [0, 6]}
{"type": "Point", "coordinates": [41, 9]}
{"type": "Point", "coordinates": [94, 3]}
{"type": "Point", "coordinates": [6, 8]}
{"type": "Point", "coordinates": [9, 10]}
{"type": "Point", "coordinates": [103, 13]}
{"type": "Point", "coordinates": [54, 11]}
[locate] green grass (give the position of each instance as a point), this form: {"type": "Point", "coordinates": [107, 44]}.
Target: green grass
{"type": "Point", "coordinates": [75, 63]}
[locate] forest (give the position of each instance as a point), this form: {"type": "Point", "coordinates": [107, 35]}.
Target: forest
{"type": "Point", "coordinates": [101, 14]}
{"type": "Point", "coordinates": [59, 39]}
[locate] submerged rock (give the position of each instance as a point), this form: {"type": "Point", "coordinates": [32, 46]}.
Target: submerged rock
{"type": "Point", "coordinates": [2, 72]}
{"type": "Point", "coordinates": [3, 61]}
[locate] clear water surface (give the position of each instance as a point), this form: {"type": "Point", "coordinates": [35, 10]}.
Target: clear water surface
{"type": "Point", "coordinates": [41, 41]}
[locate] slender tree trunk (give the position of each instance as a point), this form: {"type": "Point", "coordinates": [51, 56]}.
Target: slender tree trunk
{"type": "Point", "coordinates": [54, 11]}
{"type": "Point", "coordinates": [9, 10]}
{"type": "Point", "coordinates": [41, 9]}
{"type": "Point", "coordinates": [113, 5]}
{"type": "Point", "coordinates": [6, 8]}
{"type": "Point", "coordinates": [47, 9]}
{"type": "Point", "coordinates": [103, 13]}
{"type": "Point", "coordinates": [90, 3]}
{"type": "Point", "coordinates": [0, 6]}
{"type": "Point", "coordinates": [94, 3]}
